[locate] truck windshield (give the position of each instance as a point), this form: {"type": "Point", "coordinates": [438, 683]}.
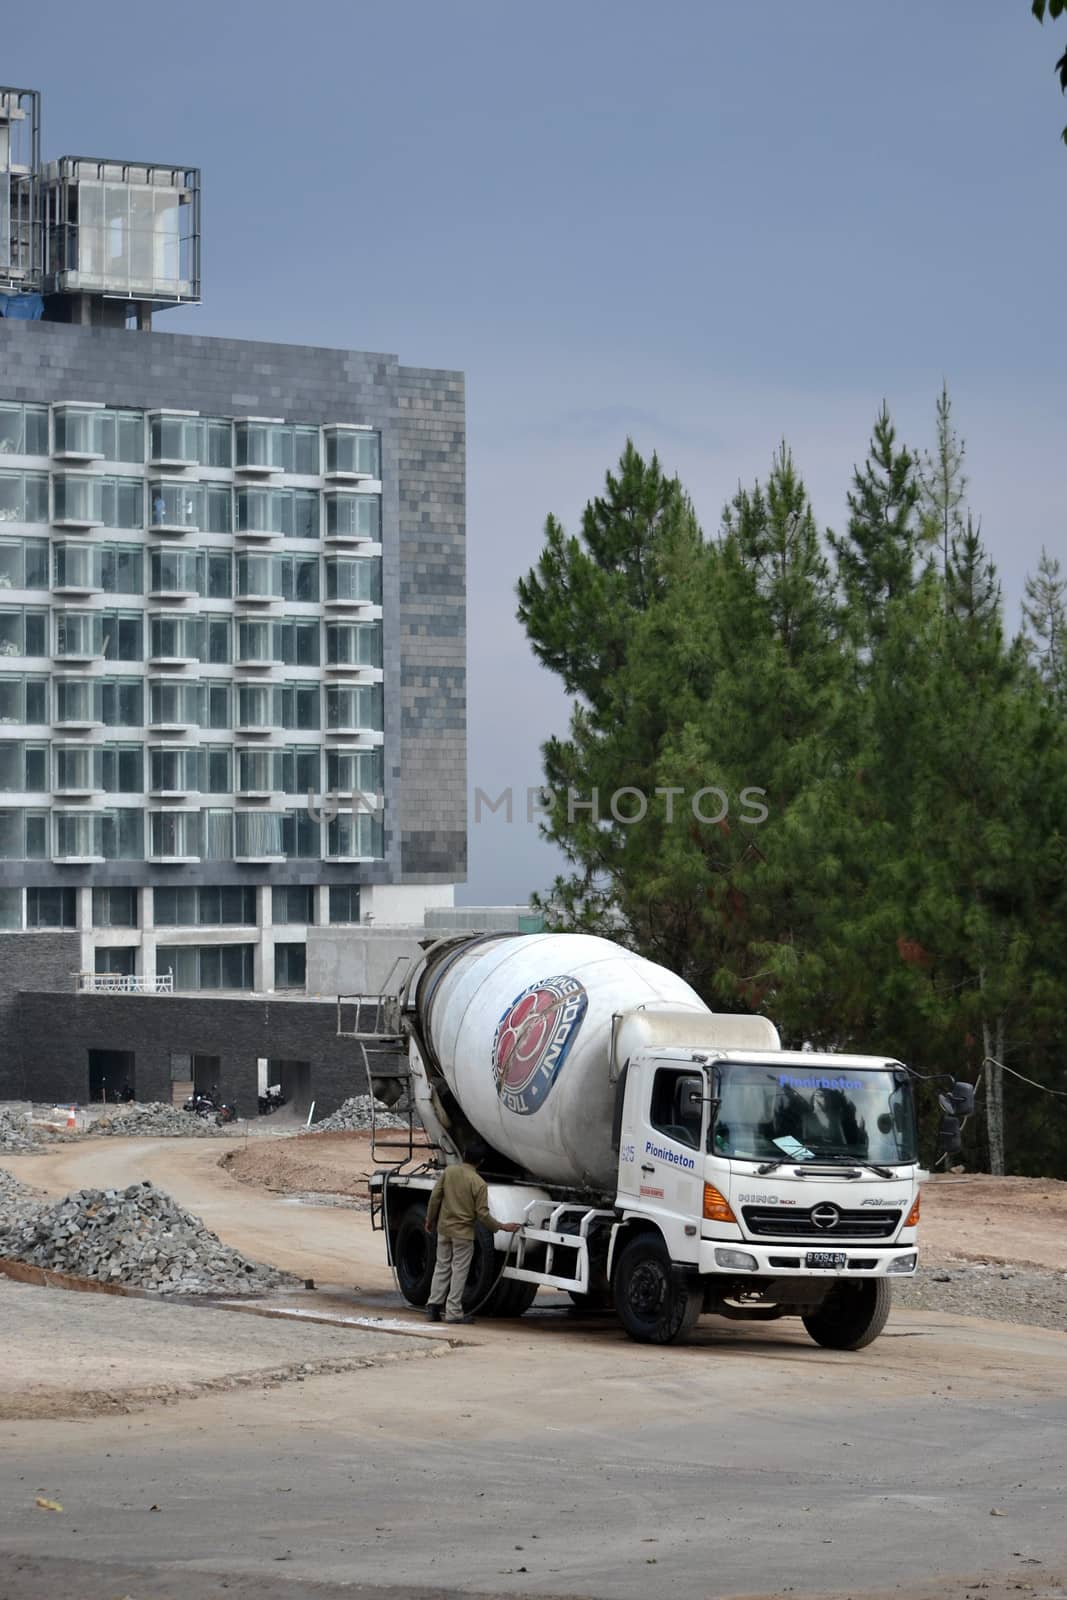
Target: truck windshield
{"type": "Point", "coordinates": [769, 1113]}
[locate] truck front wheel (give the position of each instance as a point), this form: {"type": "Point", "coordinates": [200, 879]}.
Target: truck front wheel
{"type": "Point", "coordinates": [852, 1315]}
{"type": "Point", "coordinates": [656, 1303]}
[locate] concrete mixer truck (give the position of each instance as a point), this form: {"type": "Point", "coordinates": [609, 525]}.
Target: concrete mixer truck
{"type": "Point", "coordinates": [663, 1160]}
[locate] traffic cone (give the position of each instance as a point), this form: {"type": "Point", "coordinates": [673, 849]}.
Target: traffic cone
{"type": "Point", "coordinates": [72, 1121]}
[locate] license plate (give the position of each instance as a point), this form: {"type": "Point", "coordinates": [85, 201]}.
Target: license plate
{"type": "Point", "coordinates": [825, 1258]}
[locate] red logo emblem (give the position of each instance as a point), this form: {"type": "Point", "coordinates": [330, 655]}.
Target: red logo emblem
{"type": "Point", "coordinates": [533, 1039]}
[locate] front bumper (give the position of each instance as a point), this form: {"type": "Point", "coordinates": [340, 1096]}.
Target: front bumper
{"type": "Point", "coordinates": [789, 1259]}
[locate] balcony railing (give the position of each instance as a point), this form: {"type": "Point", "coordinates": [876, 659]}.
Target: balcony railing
{"type": "Point", "coordinates": [125, 983]}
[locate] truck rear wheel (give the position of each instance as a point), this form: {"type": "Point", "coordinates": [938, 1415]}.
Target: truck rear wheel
{"type": "Point", "coordinates": [852, 1315]}
{"type": "Point", "coordinates": [488, 1294]}
{"type": "Point", "coordinates": [656, 1303]}
{"type": "Point", "coordinates": [414, 1255]}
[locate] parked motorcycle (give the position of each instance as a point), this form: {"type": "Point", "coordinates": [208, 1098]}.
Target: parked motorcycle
{"type": "Point", "coordinates": [205, 1103]}
{"type": "Point", "coordinates": [226, 1112]}
{"type": "Point", "coordinates": [273, 1100]}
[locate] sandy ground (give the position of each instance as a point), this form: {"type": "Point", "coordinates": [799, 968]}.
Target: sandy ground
{"type": "Point", "coordinates": [107, 1353]}
{"type": "Point", "coordinates": [548, 1457]}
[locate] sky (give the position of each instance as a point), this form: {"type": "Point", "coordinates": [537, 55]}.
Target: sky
{"type": "Point", "coordinates": [708, 226]}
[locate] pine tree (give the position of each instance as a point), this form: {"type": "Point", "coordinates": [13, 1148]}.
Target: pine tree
{"type": "Point", "coordinates": [1045, 620]}
{"type": "Point", "coordinates": [943, 482]}
{"type": "Point", "coordinates": [876, 557]}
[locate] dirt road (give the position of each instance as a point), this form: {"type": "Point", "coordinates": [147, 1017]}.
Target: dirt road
{"type": "Point", "coordinates": [551, 1457]}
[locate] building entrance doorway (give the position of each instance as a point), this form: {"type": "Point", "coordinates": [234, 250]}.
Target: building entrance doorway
{"type": "Point", "coordinates": [110, 1071]}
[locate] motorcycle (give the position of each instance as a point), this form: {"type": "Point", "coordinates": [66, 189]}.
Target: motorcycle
{"type": "Point", "coordinates": [273, 1100]}
{"type": "Point", "coordinates": [226, 1112]}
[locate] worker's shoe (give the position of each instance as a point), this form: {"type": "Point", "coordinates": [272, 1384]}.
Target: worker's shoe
{"type": "Point", "coordinates": [433, 1313]}
{"type": "Point", "coordinates": [458, 1322]}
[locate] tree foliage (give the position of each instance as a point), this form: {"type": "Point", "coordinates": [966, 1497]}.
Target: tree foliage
{"type": "Point", "coordinates": [812, 773]}
{"type": "Point", "coordinates": [1054, 8]}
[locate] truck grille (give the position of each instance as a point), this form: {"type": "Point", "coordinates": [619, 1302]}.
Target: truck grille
{"type": "Point", "coordinates": [778, 1222]}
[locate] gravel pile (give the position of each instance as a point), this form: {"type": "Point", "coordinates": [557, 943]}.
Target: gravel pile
{"type": "Point", "coordinates": [1028, 1295]}
{"type": "Point", "coordinates": [15, 1132]}
{"type": "Point", "coordinates": [354, 1117]}
{"type": "Point", "coordinates": [136, 1236]}
{"type": "Point", "coordinates": [155, 1120]}
{"type": "Point", "coordinates": [17, 1202]}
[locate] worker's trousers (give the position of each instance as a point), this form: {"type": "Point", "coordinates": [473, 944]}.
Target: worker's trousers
{"type": "Point", "coordinates": [450, 1275]}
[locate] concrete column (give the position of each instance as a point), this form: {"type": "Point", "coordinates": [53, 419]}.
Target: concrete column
{"type": "Point", "coordinates": [322, 906]}
{"type": "Point", "coordinates": [263, 967]}
{"type": "Point", "coordinates": [148, 934]}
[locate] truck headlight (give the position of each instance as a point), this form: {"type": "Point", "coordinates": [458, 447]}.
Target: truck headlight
{"type": "Point", "coordinates": [902, 1263]}
{"type": "Point", "coordinates": [736, 1260]}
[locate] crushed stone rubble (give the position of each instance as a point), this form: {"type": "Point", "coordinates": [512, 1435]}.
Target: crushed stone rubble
{"type": "Point", "coordinates": [137, 1237]}
{"type": "Point", "coordinates": [1035, 1296]}
{"type": "Point", "coordinates": [155, 1119]}
{"type": "Point", "coordinates": [16, 1133]}
{"type": "Point", "coordinates": [354, 1117]}
{"type": "Point", "coordinates": [18, 1201]}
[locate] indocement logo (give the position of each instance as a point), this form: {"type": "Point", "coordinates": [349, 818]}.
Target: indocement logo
{"type": "Point", "coordinates": [533, 1039]}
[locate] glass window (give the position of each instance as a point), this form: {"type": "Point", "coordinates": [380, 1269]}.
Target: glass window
{"type": "Point", "coordinates": [114, 908]}
{"type": "Point", "coordinates": [122, 768]}
{"type": "Point", "coordinates": [253, 705]}
{"type": "Point", "coordinates": [218, 705]}
{"type": "Point", "coordinates": [76, 834]}
{"type": "Point", "coordinates": [218, 835]}
{"type": "Point", "coordinates": [355, 834]}
{"type": "Point", "coordinates": [181, 961]}
{"type": "Point", "coordinates": [354, 771]}
{"type": "Point", "coordinates": [301, 835]}
{"type": "Point", "coordinates": [354, 517]}
{"type": "Point", "coordinates": [175, 638]}
{"type": "Point", "coordinates": [23, 430]}
{"type": "Point", "coordinates": [176, 505]}
{"type": "Point", "coordinates": [305, 514]}
{"type": "Point", "coordinates": [121, 568]}
{"type": "Point", "coordinates": [306, 578]}
{"type": "Point", "coordinates": [175, 833]}
{"type": "Point", "coordinates": [292, 903]}
{"type": "Point", "coordinates": [120, 702]}
{"type": "Point", "coordinates": [296, 641]}
{"type": "Point", "coordinates": [122, 635]}
{"type": "Point", "coordinates": [23, 497]}
{"type": "Point", "coordinates": [219, 575]}
{"type": "Point", "coordinates": [217, 443]}
{"type": "Point", "coordinates": [79, 633]}
{"type": "Point", "coordinates": [256, 641]}
{"type": "Point", "coordinates": [23, 564]}
{"type": "Point", "coordinates": [12, 835]}
{"type": "Point", "coordinates": [351, 708]}
{"type": "Point", "coordinates": [354, 644]}
{"type": "Point", "coordinates": [218, 508]}
{"type": "Point", "coordinates": [75, 700]}
{"type": "Point", "coordinates": [51, 908]}
{"type": "Point", "coordinates": [216, 769]}
{"type": "Point", "coordinates": [217, 630]}
{"type": "Point", "coordinates": [264, 444]}
{"type": "Point", "coordinates": [290, 966]}
{"type": "Point", "coordinates": [256, 772]}
{"type": "Point", "coordinates": [75, 566]}
{"type": "Point", "coordinates": [306, 451]}
{"type": "Point", "coordinates": [77, 431]}
{"type": "Point", "coordinates": [260, 576]}
{"type": "Point", "coordinates": [76, 767]}
{"type": "Point", "coordinates": [353, 452]}
{"type": "Point", "coordinates": [176, 572]}
{"type": "Point", "coordinates": [257, 834]}
{"type": "Point", "coordinates": [10, 903]}
{"type": "Point", "coordinates": [344, 902]}
{"type": "Point", "coordinates": [174, 908]}
{"type": "Point", "coordinates": [354, 578]}
{"type": "Point", "coordinates": [173, 770]}
{"type": "Point", "coordinates": [175, 440]}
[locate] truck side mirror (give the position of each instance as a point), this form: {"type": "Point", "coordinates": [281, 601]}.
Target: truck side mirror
{"type": "Point", "coordinates": [949, 1139]}
{"type": "Point", "coordinates": [963, 1099]}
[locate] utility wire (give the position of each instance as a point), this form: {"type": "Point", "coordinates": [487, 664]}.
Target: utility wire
{"type": "Point", "coordinates": [1061, 1094]}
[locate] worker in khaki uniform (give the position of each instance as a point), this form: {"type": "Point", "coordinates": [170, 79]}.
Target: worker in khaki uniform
{"type": "Point", "coordinates": [460, 1200]}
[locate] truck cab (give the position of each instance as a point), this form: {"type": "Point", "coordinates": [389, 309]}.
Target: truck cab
{"type": "Point", "coordinates": [768, 1179]}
